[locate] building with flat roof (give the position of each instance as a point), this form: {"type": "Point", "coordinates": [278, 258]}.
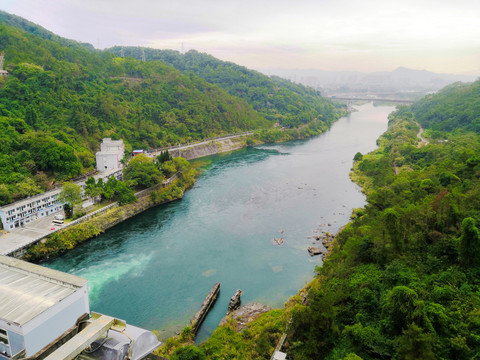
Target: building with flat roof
{"type": "Point", "coordinates": [37, 306]}
{"type": "Point", "coordinates": [2, 72]}
{"type": "Point", "coordinates": [45, 314]}
{"type": "Point", "coordinates": [20, 213]}
{"type": "Point", "coordinates": [110, 154]}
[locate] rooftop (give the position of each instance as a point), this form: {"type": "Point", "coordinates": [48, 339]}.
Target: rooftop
{"type": "Point", "coordinates": [30, 199]}
{"type": "Point", "coordinates": [27, 290]}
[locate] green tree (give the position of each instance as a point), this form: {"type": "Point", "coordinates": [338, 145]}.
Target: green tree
{"type": "Point", "coordinates": [469, 243]}
{"type": "Point", "coordinates": [28, 187]}
{"type": "Point", "coordinates": [5, 195]}
{"type": "Point", "coordinates": [92, 190]}
{"type": "Point", "coordinates": [415, 344]}
{"type": "Point", "coordinates": [124, 194]}
{"type": "Point", "coordinates": [68, 209]}
{"type": "Point", "coordinates": [141, 171]}
{"type": "Point", "coordinates": [188, 352]}
{"type": "Point", "coordinates": [109, 187]}
{"type": "Point", "coordinates": [358, 157]}
{"type": "Point", "coordinates": [392, 225]}
{"type": "Point", "coordinates": [168, 168]}
{"type": "Point", "coordinates": [164, 156]}
{"type": "Point", "coordinates": [71, 194]}
{"type": "Point", "coordinates": [400, 305]}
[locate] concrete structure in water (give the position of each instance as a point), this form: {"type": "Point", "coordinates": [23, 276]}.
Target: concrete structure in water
{"type": "Point", "coordinates": [110, 154]}
{"type": "Point", "coordinates": [44, 314]}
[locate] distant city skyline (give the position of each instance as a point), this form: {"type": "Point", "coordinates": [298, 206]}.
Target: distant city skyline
{"type": "Point", "coordinates": [342, 35]}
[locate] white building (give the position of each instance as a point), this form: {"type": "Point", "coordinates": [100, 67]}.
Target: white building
{"type": "Point", "coordinates": [45, 314]}
{"type": "Point", "coordinates": [110, 154]}
{"type": "Point", "coordinates": [22, 212]}
{"type": "Point", "coordinates": [37, 306]}
{"type": "Point", "coordinates": [2, 72]}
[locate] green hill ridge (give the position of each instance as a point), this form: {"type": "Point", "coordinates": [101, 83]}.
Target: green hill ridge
{"type": "Point", "coordinates": [62, 97]}
{"type": "Point", "coordinates": [275, 98]}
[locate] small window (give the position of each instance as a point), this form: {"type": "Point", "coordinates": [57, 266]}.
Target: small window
{"type": "Point", "coordinates": [3, 336]}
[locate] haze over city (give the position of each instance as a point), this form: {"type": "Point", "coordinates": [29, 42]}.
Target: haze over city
{"type": "Point", "coordinates": [345, 35]}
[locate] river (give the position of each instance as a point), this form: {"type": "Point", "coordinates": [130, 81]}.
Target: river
{"type": "Point", "coordinates": [154, 270]}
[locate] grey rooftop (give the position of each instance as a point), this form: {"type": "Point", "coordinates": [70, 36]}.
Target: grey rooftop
{"type": "Point", "coordinates": [27, 290]}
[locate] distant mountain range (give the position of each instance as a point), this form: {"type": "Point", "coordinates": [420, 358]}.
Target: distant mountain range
{"type": "Point", "coordinates": [399, 80]}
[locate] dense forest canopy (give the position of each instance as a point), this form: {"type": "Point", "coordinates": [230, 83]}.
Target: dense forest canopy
{"type": "Point", "coordinates": [455, 107]}
{"type": "Point", "coordinates": [62, 97]}
{"type": "Point", "coordinates": [275, 98]}
{"type": "Point", "coordinates": [403, 278]}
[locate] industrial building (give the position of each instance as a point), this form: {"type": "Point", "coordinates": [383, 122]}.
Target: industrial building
{"type": "Point", "coordinates": [110, 154]}
{"type": "Point", "coordinates": [45, 315]}
{"type": "Point", "coordinates": [20, 213]}
{"type": "Point", "coordinates": [37, 306]}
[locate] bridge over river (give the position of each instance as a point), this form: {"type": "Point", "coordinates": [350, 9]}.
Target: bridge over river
{"type": "Point", "coordinates": [401, 101]}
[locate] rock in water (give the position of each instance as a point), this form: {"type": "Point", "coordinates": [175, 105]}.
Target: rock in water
{"type": "Point", "coordinates": [246, 314]}
{"type": "Point", "coordinates": [314, 250]}
{"type": "Point", "coordinates": [277, 241]}
{"type": "Point", "coordinates": [235, 301]}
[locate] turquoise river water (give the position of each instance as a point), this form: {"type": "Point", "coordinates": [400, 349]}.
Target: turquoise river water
{"type": "Point", "coordinates": [155, 269]}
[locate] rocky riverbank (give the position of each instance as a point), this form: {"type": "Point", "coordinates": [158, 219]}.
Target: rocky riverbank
{"type": "Point", "coordinates": [245, 315]}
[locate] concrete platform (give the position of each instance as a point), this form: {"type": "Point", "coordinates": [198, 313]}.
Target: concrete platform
{"type": "Point", "coordinates": [19, 237]}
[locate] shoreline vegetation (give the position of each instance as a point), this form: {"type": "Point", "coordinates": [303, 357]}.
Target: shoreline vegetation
{"type": "Point", "coordinates": [64, 240]}
{"type": "Point", "coordinates": [402, 278]}
{"type": "Point", "coordinates": [62, 97]}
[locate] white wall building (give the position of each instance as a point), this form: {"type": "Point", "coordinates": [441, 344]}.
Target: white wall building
{"type": "Point", "coordinates": [37, 306]}
{"type": "Point", "coordinates": [110, 154]}
{"type": "Point", "coordinates": [2, 72]}
{"type": "Point", "coordinates": [22, 212]}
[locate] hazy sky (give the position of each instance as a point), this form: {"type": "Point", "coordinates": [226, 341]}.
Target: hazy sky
{"type": "Point", "coordinates": [366, 35]}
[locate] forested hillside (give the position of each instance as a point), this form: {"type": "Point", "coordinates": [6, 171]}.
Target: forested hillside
{"type": "Point", "coordinates": [455, 107]}
{"type": "Point", "coordinates": [62, 97]}
{"type": "Point", "coordinates": [403, 279]}
{"type": "Point", "coordinates": [275, 98]}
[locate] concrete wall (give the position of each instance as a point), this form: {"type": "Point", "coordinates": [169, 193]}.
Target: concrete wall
{"type": "Point", "coordinates": [49, 325]}
{"type": "Point", "coordinates": [107, 161]}
{"type": "Point", "coordinates": [212, 148]}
